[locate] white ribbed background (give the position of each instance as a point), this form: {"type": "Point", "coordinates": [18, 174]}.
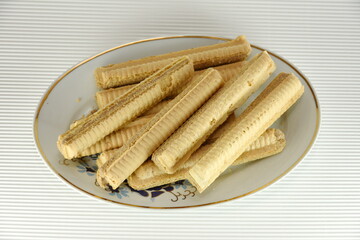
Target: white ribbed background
{"type": "Point", "coordinates": [320, 199]}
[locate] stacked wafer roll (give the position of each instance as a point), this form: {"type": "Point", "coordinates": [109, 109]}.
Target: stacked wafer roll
{"type": "Point", "coordinates": [179, 147]}
{"type": "Point", "coordinates": [227, 72]}
{"type": "Point", "coordinates": [119, 137]}
{"type": "Point", "coordinates": [125, 108]}
{"type": "Point", "coordinates": [148, 175]}
{"type": "Point", "coordinates": [279, 96]}
{"type": "Point", "coordinates": [106, 155]}
{"type": "Point", "coordinates": [203, 57]}
{"type": "Point", "coordinates": [128, 158]}
{"type": "Point", "coordinates": [160, 121]}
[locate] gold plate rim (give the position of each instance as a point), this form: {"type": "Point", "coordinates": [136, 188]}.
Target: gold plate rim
{"type": "Point", "coordinates": [53, 85]}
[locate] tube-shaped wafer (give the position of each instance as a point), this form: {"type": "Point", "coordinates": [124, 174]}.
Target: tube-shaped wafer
{"type": "Point", "coordinates": [125, 108]}
{"type": "Point", "coordinates": [271, 142]}
{"type": "Point", "coordinates": [105, 155]}
{"type": "Point", "coordinates": [203, 57]}
{"type": "Point", "coordinates": [105, 97]}
{"type": "Point", "coordinates": [221, 129]}
{"type": "Point", "coordinates": [128, 158]}
{"type": "Point", "coordinates": [227, 72]}
{"type": "Point", "coordinates": [157, 108]}
{"type": "Point", "coordinates": [80, 120]}
{"type": "Point", "coordinates": [279, 96]}
{"type": "Point", "coordinates": [118, 138]}
{"type": "Point", "coordinates": [178, 148]}
{"type": "Point", "coordinates": [148, 175]}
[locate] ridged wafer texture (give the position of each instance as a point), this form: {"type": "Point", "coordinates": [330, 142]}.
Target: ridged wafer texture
{"type": "Point", "coordinates": [104, 156]}
{"type": "Point", "coordinates": [78, 121]}
{"type": "Point", "coordinates": [128, 158]}
{"type": "Point", "coordinates": [227, 72]}
{"type": "Point", "coordinates": [105, 97]}
{"type": "Point", "coordinates": [271, 142]}
{"type": "Point", "coordinates": [157, 108]}
{"type": "Point", "coordinates": [279, 96]}
{"type": "Point", "coordinates": [221, 129]}
{"type": "Point", "coordinates": [148, 175]}
{"type": "Point", "coordinates": [203, 57]}
{"type": "Point", "coordinates": [175, 151]}
{"type": "Point", "coordinates": [127, 107]}
{"type": "Point", "coordinates": [118, 138]}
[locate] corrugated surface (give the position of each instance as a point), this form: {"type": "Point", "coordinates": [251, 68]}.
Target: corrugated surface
{"type": "Point", "coordinates": [319, 200]}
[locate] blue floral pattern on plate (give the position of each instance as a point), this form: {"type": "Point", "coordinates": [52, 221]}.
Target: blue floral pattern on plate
{"type": "Point", "coordinates": [179, 190]}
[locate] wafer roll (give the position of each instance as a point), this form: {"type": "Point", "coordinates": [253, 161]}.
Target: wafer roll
{"type": "Point", "coordinates": [227, 72]}
{"type": "Point", "coordinates": [148, 175]}
{"type": "Point", "coordinates": [118, 138]}
{"type": "Point", "coordinates": [105, 155]}
{"type": "Point", "coordinates": [125, 108]}
{"type": "Point", "coordinates": [128, 158]}
{"type": "Point", "coordinates": [77, 122]}
{"type": "Point", "coordinates": [282, 92]}
{"type": "Point", "coordinates": [157, 108]}
{"type": "Point", "coordinates": [178, 148]}
{"type": "Point", "coordinates": [221, 129]}
{"type": "Point", "coordinates": [203, 57]}
{"type": "Point", "coordinates": [271, 142]}
{"type": "Point", "coordinates": [105, 97]}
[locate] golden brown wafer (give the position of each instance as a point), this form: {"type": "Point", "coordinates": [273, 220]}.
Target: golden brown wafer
{"type": "Point", "coordinates": [221, 129]}
{"type": "Point", "coordinates": [106, 155]}
{"type": "Point", "coordinates": [128, 158]}
{"type": "Point", "coordinates": [105, 97]}
{"type": "Point", "coordinates": [77, 122]}
{"type": "Point", "coordinates": [178, 147]}
{"type": "Point", "coordinates": [157, 108]}
{"type": "Point", "coordinates": [279, 96]}
{"type": "Point", "coordinates": [148, 175]}
{"type": "Point", "coordinates": [125, 108]}
{"type": "Point", "coordinates": [271, 142]}
{"type": "Point", "coordinates": [203, 57]}
{"type": "Point", "coordinates": [118, 138]}
{"type": "Point", "coordinates": [227, 72]}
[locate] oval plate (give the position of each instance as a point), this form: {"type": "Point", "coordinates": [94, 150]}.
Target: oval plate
{"type": "Point", "coordinates": [72, 95]}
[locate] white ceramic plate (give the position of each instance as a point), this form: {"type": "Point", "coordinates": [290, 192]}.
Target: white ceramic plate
{"type": "Point", "coordinates": [72, 95]}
